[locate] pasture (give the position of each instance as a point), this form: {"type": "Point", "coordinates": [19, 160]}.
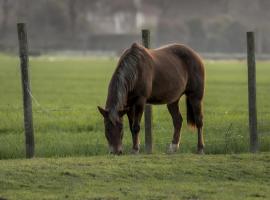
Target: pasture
{"type": "Point", "coordinates": [67, 90]}
{"type": "Point", "coordinates": [183, 176]}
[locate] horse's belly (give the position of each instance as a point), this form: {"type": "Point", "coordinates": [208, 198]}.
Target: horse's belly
{"type": "Point", "coordinates": [156, 101]}
{"type": "Point", "coordinates": [169, 85]}
{"type": "Point", "coordinates": [165, 97]}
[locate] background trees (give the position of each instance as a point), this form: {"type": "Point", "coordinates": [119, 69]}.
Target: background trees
{"type": "Point", "coordinates": [207, 26]}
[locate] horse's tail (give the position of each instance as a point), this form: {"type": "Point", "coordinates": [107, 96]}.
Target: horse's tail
{"type": "Point", "coordinates": [190, 113]}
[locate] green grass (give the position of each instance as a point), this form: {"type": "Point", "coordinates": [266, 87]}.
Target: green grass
{"type": "Point", "coordinates": [185, 176]}
{"type": "Point", "coordinates": [67, 123]}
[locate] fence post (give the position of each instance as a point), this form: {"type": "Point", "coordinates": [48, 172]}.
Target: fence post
{"type": "Point", "coordinates": [252, 92]}
{"type": "Point", "coordinates": [148, 108]}
{"type": "Point", "coordinates": [27, 103]}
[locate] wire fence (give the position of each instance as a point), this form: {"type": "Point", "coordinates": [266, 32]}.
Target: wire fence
{"type": "Point", "coordinates": [73, 126]}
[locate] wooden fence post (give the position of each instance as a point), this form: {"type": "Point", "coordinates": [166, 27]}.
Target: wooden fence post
{"type": "Point", "coordinates": [148, 108]}
{"type": "Point", "coordinates": [252, 92]}
{"type": "Point", "coordinates": [27, 102]}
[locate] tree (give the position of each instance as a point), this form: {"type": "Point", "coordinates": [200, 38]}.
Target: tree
{"type": "Point", "coordinates": [72, 17]}
{"type": "Point", "coordinates": [197, 35]}
{"type": "Point", "coordinates": [4, 23]}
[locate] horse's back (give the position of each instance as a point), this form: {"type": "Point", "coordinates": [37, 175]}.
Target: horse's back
{"type": "Point", "coordinates": [169, 76]}
{"type": "Point", "coordinates": [182, 53]}
{"type": "Point", "coordinates": [176, 70]}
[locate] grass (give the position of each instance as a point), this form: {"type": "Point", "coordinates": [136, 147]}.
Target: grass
{"type": "Point", "coordinates": [67, 123]}
{"type": "Point", "coordinates": [185, 176]}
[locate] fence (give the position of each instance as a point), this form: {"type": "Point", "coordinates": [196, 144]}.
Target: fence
{"type": "Point", "coordinates": [53, 117]}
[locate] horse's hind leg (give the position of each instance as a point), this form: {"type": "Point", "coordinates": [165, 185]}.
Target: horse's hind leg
{"type": "Point", "coordinates": [198, 117]}
{"type": "Point", "coordinates": [177, 123]}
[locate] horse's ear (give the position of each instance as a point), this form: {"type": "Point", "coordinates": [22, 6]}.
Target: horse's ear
{"type": "Point", "coordinates": [134, 45]}
{"type": "Point", "coordinates": [103, 112]}
{"type": "Point", "coordinates": [123, 112]}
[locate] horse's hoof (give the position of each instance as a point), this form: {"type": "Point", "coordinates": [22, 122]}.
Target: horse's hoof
{"type": "Point", "coordinates": [200, 152]}
{"type": "Point", "coordinates": [135, 151]}
{"type": "Point", "coordinates": [173, 148]}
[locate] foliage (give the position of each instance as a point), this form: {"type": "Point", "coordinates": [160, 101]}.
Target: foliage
{"type": "Point", "coordinates": [67, 24]}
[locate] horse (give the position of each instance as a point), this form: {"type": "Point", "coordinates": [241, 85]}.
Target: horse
{"type": "Point", "coordinates": [154, 76]}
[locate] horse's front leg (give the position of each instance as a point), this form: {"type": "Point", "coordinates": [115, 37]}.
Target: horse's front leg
{"type": "Point", "coordinates": [135, 128]}
{"type": "Point", "coordinates": [131, 115]}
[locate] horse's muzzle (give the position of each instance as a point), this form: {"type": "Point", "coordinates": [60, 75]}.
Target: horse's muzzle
{"type": "Point", "coordinates": [116, 151]}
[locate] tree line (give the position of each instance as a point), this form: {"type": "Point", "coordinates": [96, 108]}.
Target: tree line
{"type": "Point", "coordinates": [207, 26]}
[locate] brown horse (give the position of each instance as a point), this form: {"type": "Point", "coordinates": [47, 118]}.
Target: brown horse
{"type": "Point", "coordinates": [158, 76]}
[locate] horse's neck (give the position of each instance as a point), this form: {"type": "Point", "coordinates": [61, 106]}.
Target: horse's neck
{"type": "Point", "coordinates": [123, 81]}
{"type": "Point", "coordinates": [117, 96]}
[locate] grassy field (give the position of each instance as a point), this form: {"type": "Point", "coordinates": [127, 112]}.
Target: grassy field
{"type": "Point", "coordinates": [185, 176]}
{"type": "Point", "coordinates": [67, 91]}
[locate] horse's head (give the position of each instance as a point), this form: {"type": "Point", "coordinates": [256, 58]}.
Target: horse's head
{"type": "Point", "coordinates": [113, 123]}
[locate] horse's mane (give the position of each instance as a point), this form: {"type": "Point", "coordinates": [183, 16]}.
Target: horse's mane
{"type": "Point", "coordinates": [124, 79]}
